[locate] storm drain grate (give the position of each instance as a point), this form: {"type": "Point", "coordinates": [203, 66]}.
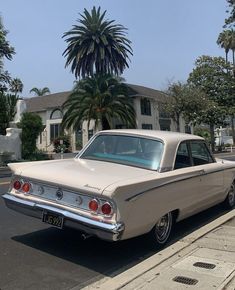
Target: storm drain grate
{"type": "Point", "coordinates": [185, 280]}
{"type": "Point", "coordinates": [204, 265]}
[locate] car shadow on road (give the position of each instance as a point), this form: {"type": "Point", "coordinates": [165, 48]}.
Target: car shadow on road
{"type": "Point", "coordinates": [107, 258]}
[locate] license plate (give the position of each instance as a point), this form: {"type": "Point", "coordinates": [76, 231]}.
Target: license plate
{"type": "Point", "coordinates": [53, 219]}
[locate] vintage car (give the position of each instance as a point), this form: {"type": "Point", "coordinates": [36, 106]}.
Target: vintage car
{"type": "Point", "coordinates": [123, 184]}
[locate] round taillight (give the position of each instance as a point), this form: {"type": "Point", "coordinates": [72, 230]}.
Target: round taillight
{"type": "Point", "coordinates": [106, 208]}
{"type": "Point", "coordinates": [93, 205]}
{"type": "Point", "coordinates": [17, 185]}
{"type": "Point", "coordinates": [26, 187]}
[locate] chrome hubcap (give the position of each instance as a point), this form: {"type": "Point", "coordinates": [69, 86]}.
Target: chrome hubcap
{"type": "Point", "coordinates": [163, 227]}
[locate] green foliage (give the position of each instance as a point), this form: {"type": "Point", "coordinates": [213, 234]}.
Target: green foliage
{"type": "Point", "coordinates": [185, 101]}
{"type": "Point", "coordinates": [40, 92]}
{"type": "Point", "coordinates": [7, 110]}
{"type": "Point", "coordinates": [214, 77]}
{"type": "Point", "coordinates": [38, 156]}
{"type": "Point", "coordinates": [231, 19]}
{"type": "Point", "coordinates": [96, 45]}
{"type": "Point", "coordinates": [62, 148]}
{"type": "Point", "coordinates": [6, 51]}
{"type": "Point", "coordinates": [31, 125]}
{"type": "Point", "coordinates": [203, 132]}
{"type": "Point", "coordinates": [101, 98]}
{"type": "Point", "coordinates": [16, 86]}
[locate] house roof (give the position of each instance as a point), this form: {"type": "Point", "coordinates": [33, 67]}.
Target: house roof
{"type": "Point", "coordinates": [42, 103]}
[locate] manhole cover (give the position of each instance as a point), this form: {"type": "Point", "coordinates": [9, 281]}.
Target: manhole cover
{"type": "Point", "coordinates": [204, 265]}
{"type": "Point", "coordinates": [185, 280]}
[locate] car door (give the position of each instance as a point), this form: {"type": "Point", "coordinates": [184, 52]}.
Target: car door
{"type": "Point", "coordinates": [212, 174]}
{"type": "Point", "coordinates": [192, 185]}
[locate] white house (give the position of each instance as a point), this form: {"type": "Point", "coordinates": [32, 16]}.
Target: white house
{"type": "Point", "coordinates": [147, 103]}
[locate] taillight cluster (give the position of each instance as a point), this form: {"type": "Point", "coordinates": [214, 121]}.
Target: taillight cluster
{"type": "Point", "coordinates": [97, 206]}
{"type": "Point", "coordinates": [22, 186]}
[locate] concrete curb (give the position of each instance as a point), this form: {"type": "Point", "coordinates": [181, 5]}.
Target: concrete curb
{"type": "Point", "coordinates": [131, 274]}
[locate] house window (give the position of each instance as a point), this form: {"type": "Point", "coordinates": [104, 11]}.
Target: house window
{"type": "Point", "coordinates": [79, 139]}
{"type": "Point", "coordinates": [165, 124]}
{"type": "Point", "coordinates": [54, 131]}
{"type": "Point", "coordinates": [147, 126]}
{"type": "Point", "coordinates": [188, 129]}
{"type": "Point", "coordinates": [145, 106]}
{"type": "Point", "coordinates": [56, 114]}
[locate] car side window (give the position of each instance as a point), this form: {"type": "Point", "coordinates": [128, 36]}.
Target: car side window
{"type": "Point", "coordinates": [182, 159]}
{"type": "Point", "coordinates": [200, 153]}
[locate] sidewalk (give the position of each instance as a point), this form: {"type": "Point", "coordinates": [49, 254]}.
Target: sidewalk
{"type": "Point", "coordinates": [203, 260]}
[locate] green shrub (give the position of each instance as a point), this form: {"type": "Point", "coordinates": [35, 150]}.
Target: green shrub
{"type": "Point", "coordinates": [31, 125]}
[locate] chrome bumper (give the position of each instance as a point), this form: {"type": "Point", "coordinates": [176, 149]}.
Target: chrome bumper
{"type": "Point", "coordinates": [110, 232]}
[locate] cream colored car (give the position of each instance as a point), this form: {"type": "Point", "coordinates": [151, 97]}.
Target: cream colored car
{"type": "Point", "coordinates": [123, 184]}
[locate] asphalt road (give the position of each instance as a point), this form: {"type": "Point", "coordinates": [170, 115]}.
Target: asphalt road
{"type": "Point", "coordinates": [35, 256]}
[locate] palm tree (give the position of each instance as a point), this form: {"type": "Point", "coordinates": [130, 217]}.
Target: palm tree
{"type": "Point", "coordinates": [225, 41]}
{"type": "Point", "coordinates": [101, 98]}
{"type": "Point", "coordinates": [16, 86]}
{"type": "Point", "coordinates": [40, 92]}
{"type": "Point", "coordinates": [96, 45]}
{"type": "Point", "coordinates": [5, 49]}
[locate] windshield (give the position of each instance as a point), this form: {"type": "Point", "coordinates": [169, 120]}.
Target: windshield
{"type": "Point", "coordinates": [128, 150]}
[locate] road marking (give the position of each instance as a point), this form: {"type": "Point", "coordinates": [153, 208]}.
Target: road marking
{"type": "Point", "coordinates": [4, 183]}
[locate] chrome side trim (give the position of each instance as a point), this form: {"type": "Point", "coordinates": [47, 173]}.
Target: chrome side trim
{"type": "Point", "coordinates": [197, 173]}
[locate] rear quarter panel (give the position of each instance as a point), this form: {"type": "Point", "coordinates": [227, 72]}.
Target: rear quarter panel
{"type": "Point", "coordinates": [142, 203]}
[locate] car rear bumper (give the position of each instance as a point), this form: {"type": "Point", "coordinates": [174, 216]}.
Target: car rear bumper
{"type": "Point", "coordinates": [105, 231]}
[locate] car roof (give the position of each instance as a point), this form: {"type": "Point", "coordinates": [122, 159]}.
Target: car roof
{"type": "Point", "coordinates": [165, 136]}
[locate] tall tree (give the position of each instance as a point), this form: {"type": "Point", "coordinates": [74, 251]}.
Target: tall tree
{"type": "Point", "coordinates": [100, 98]}
{"type": "Point", "coordinates": [16, 86]}
{"type": "Point", "coordinates": [97, 45]}
{"type": "Point", "coordinates": [184, 101]}
{"type": "Point", "coordinates": [225, 41]}
{"type": "Point", "coordinates": [40, 92]}
{"type": "Point", "coordinates": [215, 78]}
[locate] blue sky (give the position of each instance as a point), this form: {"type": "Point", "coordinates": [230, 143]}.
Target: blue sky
{"type": "Point", "coordinates": [167, 36]}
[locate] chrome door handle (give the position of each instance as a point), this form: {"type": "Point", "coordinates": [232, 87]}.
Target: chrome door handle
{"type": "Point", "coordinates": [202, 172]}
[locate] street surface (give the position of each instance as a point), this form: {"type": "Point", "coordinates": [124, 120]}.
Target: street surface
{"type": "Point", "coordinates": [35, 256]}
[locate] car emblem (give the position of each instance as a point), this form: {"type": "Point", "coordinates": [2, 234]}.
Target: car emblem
{"type": "Point", "coordinates": [40, 190]}
{"type": "Point", "coordinates": [59, 194]}
{"type": "Point", "coordinates": [79, 200]}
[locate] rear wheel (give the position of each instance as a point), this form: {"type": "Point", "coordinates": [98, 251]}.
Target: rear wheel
{"type": "Point", "coordinates": [160, 234]}
{"type": "Point", "coordinates": [230, 199]}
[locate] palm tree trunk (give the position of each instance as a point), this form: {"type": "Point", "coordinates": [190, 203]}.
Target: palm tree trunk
{"type": "Point", "coordinates": [212, 132]}
{"type": "Point", "coordinates": [233, 63]}
{"type": "Point", "coordinates": [105, 124]}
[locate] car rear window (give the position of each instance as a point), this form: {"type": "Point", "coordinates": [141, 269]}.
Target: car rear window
{"type": "Point", "coordinates": [128, 150]}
